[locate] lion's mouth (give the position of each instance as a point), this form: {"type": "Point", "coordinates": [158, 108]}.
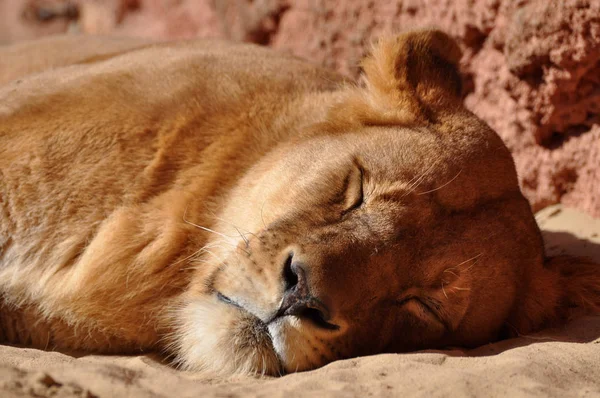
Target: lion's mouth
{"type": "Point", "coordinates": [283, 335]}
{"type": "Point", "coordinates": [311, 314]}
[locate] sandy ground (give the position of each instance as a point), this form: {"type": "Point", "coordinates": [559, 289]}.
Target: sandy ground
{"type": "Point", "coordinates": [559, 362]}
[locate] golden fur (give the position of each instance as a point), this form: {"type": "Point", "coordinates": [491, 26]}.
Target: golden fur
{"type": "Point", "coordinates": [246, 211]}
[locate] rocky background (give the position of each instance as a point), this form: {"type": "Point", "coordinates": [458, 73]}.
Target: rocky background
{"type": "Point", "coordinates": [531, 67]}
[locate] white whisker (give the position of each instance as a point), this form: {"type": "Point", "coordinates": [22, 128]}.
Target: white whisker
{"type": "Point", "coordinates": [451, 272]}
{"type": "Point", "coordinates": [435, 189]}
{"type": "Point", "coordinates": [417, 181]}
{"type": "Point", "coordinates": [262, 208]}
{"type": "Point", "coordinates": [476, 258]}
{"type": "Point", "coordinates": [191, 255]}
{"type": "Point", "coordinates": [242, 236]}
{"type": "Point", "coordinates": [229, 238]}
{"type": "Point", "coordinates": [466, 261]}
{"type": "Point", "coordinates": [237, 227]}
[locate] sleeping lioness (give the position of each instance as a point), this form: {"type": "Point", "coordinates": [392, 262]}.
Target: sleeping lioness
{"type": "Point", "coordinates": [245, 211]}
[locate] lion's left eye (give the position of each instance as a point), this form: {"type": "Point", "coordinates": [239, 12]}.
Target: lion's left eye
{"type": "Point", "coordinates": [354, 196]}
{"type": "Point", "coordinates": [427, 305]}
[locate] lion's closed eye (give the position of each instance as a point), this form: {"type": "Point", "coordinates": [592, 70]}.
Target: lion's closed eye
{"type": "Point", "coordinates": [423, 307]}
{"type": "Point", "coordinates": [353, 189]}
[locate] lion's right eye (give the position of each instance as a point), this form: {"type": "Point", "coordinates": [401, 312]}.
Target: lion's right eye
{"type": "Point", "coordinates": [354, 195]}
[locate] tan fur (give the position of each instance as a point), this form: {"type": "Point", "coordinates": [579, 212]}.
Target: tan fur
{"type": "Point", "coordinates": [144, 185]}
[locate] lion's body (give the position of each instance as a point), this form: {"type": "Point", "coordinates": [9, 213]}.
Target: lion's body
{"type": "Point", "coordinates": [118, 163]}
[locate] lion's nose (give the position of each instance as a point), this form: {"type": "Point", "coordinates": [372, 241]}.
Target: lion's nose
{"type": "Point", "coordinates": [297, 298]}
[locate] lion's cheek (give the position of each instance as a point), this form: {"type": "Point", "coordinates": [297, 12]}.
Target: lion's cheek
{"type": "Point", "coordinates": [222, 339]}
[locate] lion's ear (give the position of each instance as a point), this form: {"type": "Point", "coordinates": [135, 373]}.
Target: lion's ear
{"type": "Point", "coordinates": [416, 70]}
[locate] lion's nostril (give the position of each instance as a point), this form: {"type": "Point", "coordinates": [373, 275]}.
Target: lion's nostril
{"type": "Point", "coordinates": [294, 276]}
{"type": "Point", "coordinates": [290, 277]}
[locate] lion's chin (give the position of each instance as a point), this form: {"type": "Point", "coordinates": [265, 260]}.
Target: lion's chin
{"type": "Point", "coordinates": [214, 337]}
{"type": "Point", "coordinates": [296, 346]}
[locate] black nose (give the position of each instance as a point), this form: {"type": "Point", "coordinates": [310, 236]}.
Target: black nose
{"type": "Point", "coordinates": [297, 298]}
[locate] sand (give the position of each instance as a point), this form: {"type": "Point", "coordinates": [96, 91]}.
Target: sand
{"type": "Point", "coordinates": [559, 362]}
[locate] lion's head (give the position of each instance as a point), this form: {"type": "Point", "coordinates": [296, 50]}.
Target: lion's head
{"type": "Point", "coordinates": [396, 225]}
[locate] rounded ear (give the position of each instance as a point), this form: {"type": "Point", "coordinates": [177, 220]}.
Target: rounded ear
{"type": "Point", "coordinates": [565, 287]}
{"type": "Point", "coordinates": [418, 70]}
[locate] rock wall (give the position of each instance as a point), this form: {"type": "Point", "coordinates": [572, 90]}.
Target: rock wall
{"type": "Point", "coordinates": [532, 68]}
